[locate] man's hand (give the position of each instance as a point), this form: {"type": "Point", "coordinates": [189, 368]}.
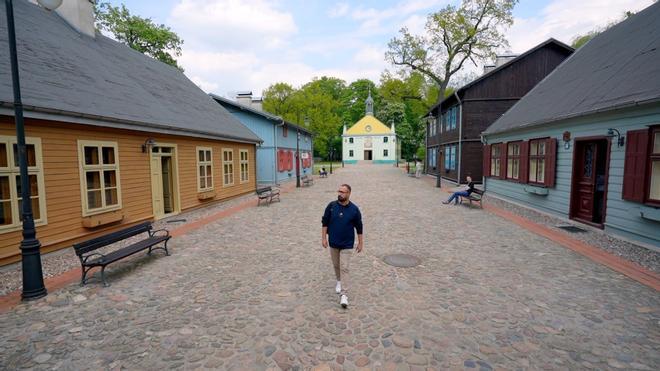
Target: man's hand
{"type": "Point", "coordinates": [359, 247]}
{"type": "Point", "coordinates": [324, 242]}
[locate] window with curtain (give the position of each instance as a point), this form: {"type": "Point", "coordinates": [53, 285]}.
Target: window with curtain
{"type": "Point", "coordinates": [11, 202]}
{"type": "Point", "coordinates": [204, 169]}
{"type": "Point", "coordinates": [513, 161]}
{"type": "Point", "coordinates": [495, 159]}
{"type": "Point", "coordinates": [537, 158]}
{"type": "Point", "coordinates": [99, 176]}
{"type": "Point", "coordinates": [245, 165]}
{"type": "Point", "coordinates": [227, 166]}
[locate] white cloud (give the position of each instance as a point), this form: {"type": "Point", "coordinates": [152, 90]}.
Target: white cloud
{"type": "Point", "coordinates": [232, 23]}
{"type": "Point", "coordinates": [339, 10]}
{"type": "Point", "coordinates": [565, 19]}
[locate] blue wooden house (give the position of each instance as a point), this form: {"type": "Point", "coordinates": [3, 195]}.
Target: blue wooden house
{"type": "Point", "coordinates": [584, 144]}
{"type": "Point", "coordinates": [282, 140]}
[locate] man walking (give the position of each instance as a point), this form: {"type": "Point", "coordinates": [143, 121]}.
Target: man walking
{"type": "Point", "coordinates": [339, 220]}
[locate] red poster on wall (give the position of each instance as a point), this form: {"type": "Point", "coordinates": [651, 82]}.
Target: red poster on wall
{"type": "Point", "coordinates": [290, 161]}
{"type": "Point", "coordinates": [280, 160]}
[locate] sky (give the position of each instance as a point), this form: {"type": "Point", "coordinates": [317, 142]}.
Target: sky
{"type": "Point", "coordinates": [247, 45]}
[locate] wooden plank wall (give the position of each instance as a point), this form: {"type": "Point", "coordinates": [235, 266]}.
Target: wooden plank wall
{"type": "Point", "coordinates": [62, 179]}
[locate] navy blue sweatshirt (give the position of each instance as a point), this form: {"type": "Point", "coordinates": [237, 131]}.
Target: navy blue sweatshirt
{"type": "Point", "coordinates": [340, 221]}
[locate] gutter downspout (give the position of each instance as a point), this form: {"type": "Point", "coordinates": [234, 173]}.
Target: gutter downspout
{"type": "Point", "coordinates": [483, 176]}
{"type": "Point", "coordinates": [460, 136]}
{"type": "Point", "coordinates": [426, 143]}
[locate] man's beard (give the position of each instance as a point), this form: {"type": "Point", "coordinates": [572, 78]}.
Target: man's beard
{"type": "Point", "coordinates": [340, 199]}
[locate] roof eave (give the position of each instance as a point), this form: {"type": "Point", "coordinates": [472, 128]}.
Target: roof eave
{"type": "Point", "coordinates": [135, 125]}
{"type": "Point", "coordinates": [553, 120]}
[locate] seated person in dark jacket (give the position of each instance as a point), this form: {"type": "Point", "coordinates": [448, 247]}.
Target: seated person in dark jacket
{"type": "Point", "coordinates": [465, 193]}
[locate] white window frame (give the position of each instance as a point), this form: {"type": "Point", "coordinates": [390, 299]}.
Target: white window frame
{"type": "Point", "coordinates": [12, 171]}
{"type": "Point", "coordinates": [83, 168]}
{"type": "Point", "coordinates": [230, 162]}
{"type": "Point", "coordinates": [245, 162]}
{"type": "Point", "coordinates": [204, 163]}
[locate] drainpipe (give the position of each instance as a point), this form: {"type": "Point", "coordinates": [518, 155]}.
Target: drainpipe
{"type": "Point", "coordinates": [460, 136]}
{"type": "Point", "coordinates": [426, 144]}
{"type": "Point", "coordinates": [483, 176]}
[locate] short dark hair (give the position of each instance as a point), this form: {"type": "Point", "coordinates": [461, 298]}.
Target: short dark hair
{"type": "Point", "coordinates": [347, 186]}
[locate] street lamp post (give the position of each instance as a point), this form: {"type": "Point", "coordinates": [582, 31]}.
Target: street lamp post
{"type": "Point", "coordinates": [437, 167]}
{"type": "Point", "coordinates": [297, 158]}
{"type": "Point", "coordinates": [33, 279]}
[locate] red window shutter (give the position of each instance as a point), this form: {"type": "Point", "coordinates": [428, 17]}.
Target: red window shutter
{"type": "Point", "coordinates": [550, 161]}
{"type": "Point", "coordinates": [523, 170]}
{"type": "Point", "coordinates": [486, 160]}
{"type": "Point", "coordinates": [634, 167]}
{"type": "Point", "coordinates": [503, 155]}
{"type": "Point", "coordinates": [290, 161]}
{"type": "Point", "coordinates": [280, 160]}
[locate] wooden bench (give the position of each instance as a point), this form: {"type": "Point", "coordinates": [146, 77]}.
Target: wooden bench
{"type": "Point", "coordinates": [268, 195]}
{"type": "Point", "coordinates": [307, 180]}
{"type": "Point", "coordinates": [475, 196]}
{"type": "Point", "coordinates": [89, 258]}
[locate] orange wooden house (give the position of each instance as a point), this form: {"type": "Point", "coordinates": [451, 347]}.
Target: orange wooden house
{"type": "Point", "coordinates": [114, 137]}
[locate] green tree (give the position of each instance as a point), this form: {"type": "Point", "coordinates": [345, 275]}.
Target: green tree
{"type": "Point", "coordinates": [141, 34]}
{"type": "Point", "coordinates": [353, 100]}
{"type": "Point", "coordinates": [454, 35]}
{"type": "Point", "coordinates": [279, 99]}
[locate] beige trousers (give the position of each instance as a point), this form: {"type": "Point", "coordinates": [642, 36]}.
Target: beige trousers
{"type": "Point", "coordinates": [341, 259]}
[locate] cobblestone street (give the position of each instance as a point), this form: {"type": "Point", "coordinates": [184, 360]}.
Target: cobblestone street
{"type": "Point", "coordinates": [255, 291]}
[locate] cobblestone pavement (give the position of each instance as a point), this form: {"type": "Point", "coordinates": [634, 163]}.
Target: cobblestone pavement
{"type": "Point", "coordinates": [255, 291]}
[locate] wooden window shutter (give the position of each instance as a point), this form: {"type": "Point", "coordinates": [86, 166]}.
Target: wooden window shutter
{"type": "Point", "coordinates": [503, 158]}
{"type": "Point", "coordinates": [523, 170]}
{"type": "Point", "coordinates": [486, 163]}
{"type": "Point", "coordinates": [634, 166]}
{"type": "Point", "coordinates": [550, 161]}
{"type": "Point", "coordinates": [290, 161]}
{"type": "Point", "coordinates": [280, 160]}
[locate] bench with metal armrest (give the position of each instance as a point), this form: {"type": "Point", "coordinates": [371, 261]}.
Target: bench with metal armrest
{"type": "Point", "coordinates": [90, 258]}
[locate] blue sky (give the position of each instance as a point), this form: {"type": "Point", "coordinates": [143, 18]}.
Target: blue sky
{"type": "Point", "coordinates": [232, 45]}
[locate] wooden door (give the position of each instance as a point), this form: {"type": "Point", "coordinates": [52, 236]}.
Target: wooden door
{"type": "Point", "coordinates": [584, 184]}
{"type": "Point", "coordinates": [157, 186]}
{"type": "Point", "coordinates": [167, 184]}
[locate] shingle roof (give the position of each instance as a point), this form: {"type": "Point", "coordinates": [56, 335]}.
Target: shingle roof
{"type": "Point", "coordinates": [618, 68]}
{"type": "Point", "coordinates": [228, 102]}
{"type": "Point", "coordinates": [67, 73]}
{"type": "Point", "coordinates": [502, 67]}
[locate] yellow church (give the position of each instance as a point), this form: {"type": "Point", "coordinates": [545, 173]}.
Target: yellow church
{"type": "Point", "coordinates": [370, 140]}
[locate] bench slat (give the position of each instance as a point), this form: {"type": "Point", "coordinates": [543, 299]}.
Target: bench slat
{"type": "Point", "coordinates": [127, 251]}
{"type": "Point", "coordinates": [105, 240]}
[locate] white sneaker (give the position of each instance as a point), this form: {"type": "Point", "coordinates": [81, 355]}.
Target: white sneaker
{"type": "Point", "coordinates": [338, 287]}
{"type": "Point", "coordinates": [344, 301]}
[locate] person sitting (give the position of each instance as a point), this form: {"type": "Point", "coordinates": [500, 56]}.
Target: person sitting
{"type": "Point", "coordinates": [323, 173]}
{"type": "Point", "coordinates": [465, 193]}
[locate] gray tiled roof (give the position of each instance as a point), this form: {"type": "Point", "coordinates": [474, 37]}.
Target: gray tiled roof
{"type": "Point", "coordinates": [618, 68]}
{"type": "Point", "coordinates": [496, 70]}
{"type": "Point", "coordinates": [235, 105]}
{"type": "Point", "coordinates": [67, 73]}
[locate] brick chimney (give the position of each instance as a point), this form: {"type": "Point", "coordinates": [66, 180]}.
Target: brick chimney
{"type": "Point", "coordinates": [79, 14]}
{"type": "Point", "coordinates": [244, 98]}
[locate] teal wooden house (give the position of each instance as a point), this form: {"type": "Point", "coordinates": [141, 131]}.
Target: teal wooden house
{"type": "Point", "coordinates": [584, 144]}
{"type": "Point", "coordinates": [286, 149]}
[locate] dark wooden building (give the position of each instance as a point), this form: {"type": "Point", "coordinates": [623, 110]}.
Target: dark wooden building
{"type": "Point", "coordinates": [453, 133]}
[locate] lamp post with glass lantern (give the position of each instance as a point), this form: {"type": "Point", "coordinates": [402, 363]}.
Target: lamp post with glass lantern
{"type": "Point", "coordinates": [33, 279]}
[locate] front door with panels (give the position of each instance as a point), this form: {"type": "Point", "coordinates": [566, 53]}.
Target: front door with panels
{"type": "Point", "coordinates": [164, 181]}
{"type": "Point", "coordinates": [590, 181]}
